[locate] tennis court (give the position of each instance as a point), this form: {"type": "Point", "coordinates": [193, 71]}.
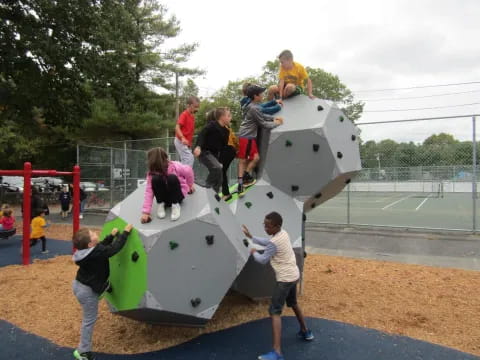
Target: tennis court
{"type": "Point", "coordinates": [434, 209]}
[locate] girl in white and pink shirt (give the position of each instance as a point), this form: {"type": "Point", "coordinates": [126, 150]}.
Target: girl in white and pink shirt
{"type": "Point", "coordinates": [169, 181]}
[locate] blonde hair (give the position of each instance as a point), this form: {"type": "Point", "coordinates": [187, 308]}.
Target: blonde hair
{"type": "Point", "coordinates": [81, 239]}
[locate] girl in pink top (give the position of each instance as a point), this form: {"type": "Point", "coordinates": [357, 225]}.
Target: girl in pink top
{"type": "Point", "coordinates": [7, 221]}
{"type": "Point", "coordinates": [169, 181]}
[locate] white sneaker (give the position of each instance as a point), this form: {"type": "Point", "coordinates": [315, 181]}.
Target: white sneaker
{"type": "Point", "coordinates": [161, 210]}
{"type": "Point", "coordinates": [81, 216]}
{"type": "Point", "coordinates": [175, 212]}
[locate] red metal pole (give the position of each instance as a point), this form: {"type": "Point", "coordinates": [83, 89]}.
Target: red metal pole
{"type": "Point", "coordinates": [76, 198]}
{"type": "Point", "coordinates": [27, 189]}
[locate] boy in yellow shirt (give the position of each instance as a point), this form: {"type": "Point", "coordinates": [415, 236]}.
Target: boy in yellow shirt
{"type": "Point", "coordinates": [292, 78]}
{"type": "Point", "coordinates": [39, 224]}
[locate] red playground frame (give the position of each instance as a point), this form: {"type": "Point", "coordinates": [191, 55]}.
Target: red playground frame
{"type": "Point", "coordinates": [27, 174]}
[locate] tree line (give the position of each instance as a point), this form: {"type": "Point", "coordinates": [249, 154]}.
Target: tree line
{"type": "Point", "coordinates": [90, 71]}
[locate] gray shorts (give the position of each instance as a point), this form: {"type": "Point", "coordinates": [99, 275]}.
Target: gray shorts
{"type": "Point", "coordinates": [284, 292]}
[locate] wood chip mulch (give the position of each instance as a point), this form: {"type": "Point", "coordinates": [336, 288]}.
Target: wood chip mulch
{"type": "Point", "coordinates": [438, 305]}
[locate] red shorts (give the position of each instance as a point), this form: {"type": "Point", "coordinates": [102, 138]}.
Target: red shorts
{"type": "Point", "coordinates": [247, 148]}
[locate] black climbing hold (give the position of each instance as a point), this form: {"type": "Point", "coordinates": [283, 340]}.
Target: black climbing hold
{"type": "Point", "coordinates": [218, 197]}
{"type": "Point", "coordinates": [313, 205]}
{"type": "Point", "coordinates": [135, 256]}
{"type": "Point", "coordinates": [339, 155]}
{"type": "Point", "coordinates": [288, 143]}
{"type": "Point", "coordinates": [248, 204]}
{"type": "Point", "coordinates": [316, 147]}
{"type": "Point", "coordinates": [195, 302]}
{"type": "Point", "coordinates": [173, 245]}
{"type": "Point", "coordinates": [341, 118]}
{"type": "Point", "coordinates": [245, 242]}
{"type": "Point", "coordinates": [318, 196]}
{"type": "Point", "coordinates": [260, 251]}
{"type": "Point", "coordinates": [304, 217]}
{"type": "Point", "coordinates": [354, 137]}
{"type": "Point", "coordinates": [109, 288]}
{"type": "Point", "coordinates": [319, 107]}
{"type": "Point", "coordinates": [270, 195]}
{"type": "Point", "coordinates": [209, 239]}
{"type": "Point", "coordinates": [217, 210]}
{"type": "Point", "coordinates": [348, 181]}
{"type": "Point", "coordinates": [304, 254]}
{"type": "Point", "coordinates": [294, 187]}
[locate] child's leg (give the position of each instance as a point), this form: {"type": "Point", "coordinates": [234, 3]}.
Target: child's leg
{"type": "Point", "coordinates": [89, 302]}
{"type": "Point", "coordinates": [291, 301]}
{"type": "Point", "coordinates": [289, 90]}
{"type": "Point", "coordinates": [159, 188]}
{"type": "Point", "coordinates": [44, 243]}
{"type": "Point", "coordinates": [214, 178]}
{"type": "Point", "coordinates": [226, 158]}
{"type": "Point", "coordinates": [174, 190]}
{"type": "Point", "coordinates": [252, 163]}
{"type": "Point", "coordinates": [272, 91]}
{"type": "Point", "coordinates": [33, 242]}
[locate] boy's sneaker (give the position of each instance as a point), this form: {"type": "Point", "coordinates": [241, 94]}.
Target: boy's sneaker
{"type": "Point", "coordinates": [45, 252]}
{"type": "Point", "coordinates": [272, 355]}
{"type": "Point", "coordinates": [83, 356]}
{"type": "Point", "coordinates": [248, 180]}
{"type": "Point", "coordinates": [240, 190]}
{"type": "Point", "coordinates": [161, 210]}
{"type": "Point", "coordinates": [306, 335]}
{"type": "Point", "coordinates": [175, 212]}
{"type": "Point", "coordinates": [80, 216]}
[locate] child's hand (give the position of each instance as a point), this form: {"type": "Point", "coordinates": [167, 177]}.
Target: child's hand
{"type": "Point", "coordinates": [128, 228]}
{"type": "Point", "coordinates": [252, 251]}
{"type": "Point", "coordinates": [197, 151]}
{"type": "Point", "coordinates": [246, 232]}
{"type": "Point", "coordinates": [192, 189]}
{"type": "Point", "coordinates": [145, 218]}
{"type": "Point", "coordinates": [279, 102]}
{"type": "Point", "coordinates": [278, 120]}
{"type": "Point", "coordinates": [114, 232]}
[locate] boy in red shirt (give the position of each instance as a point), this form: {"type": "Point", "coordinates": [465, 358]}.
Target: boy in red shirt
{"type": "Point", "coordinates": [184, 131]}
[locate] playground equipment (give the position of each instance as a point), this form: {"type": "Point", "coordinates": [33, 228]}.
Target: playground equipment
{"type": "Point", "coordinates": [27, 174]}
{"type": "Point", "coordinates": [178, 272]}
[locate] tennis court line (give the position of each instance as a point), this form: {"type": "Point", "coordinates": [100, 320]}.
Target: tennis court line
{"type": "Point", "coordinates": [423, 202]}
{"type": "Point", "coordinates": [396, 202]}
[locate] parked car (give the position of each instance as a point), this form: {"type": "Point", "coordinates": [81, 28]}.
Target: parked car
{"type": "Point", "coordinates": [12, 183]}
{"type": "Point", "coordinates": [48, 183]}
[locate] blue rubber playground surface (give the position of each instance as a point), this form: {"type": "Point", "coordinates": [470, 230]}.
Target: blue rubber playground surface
{"type": "Point", "coordinates": [333, 340]}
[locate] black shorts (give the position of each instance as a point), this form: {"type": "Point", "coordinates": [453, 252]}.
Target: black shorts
{"type": "Point", "coordinates": [283, 292]}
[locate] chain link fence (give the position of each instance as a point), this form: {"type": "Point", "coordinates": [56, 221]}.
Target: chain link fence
{"type": "Point", "coordinates": [416, 173]}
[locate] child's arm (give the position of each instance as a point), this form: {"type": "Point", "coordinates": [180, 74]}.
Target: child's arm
{"type": "Point", "coordinates": [200, 141]}
{"type": "Point", "coordinates": [118, 244]}
{"type": "Point", "coordinates": [187, 172]}
{"type": "Point", "coordinates": [310, 88]}
{"type": "Point", "coordinates": [255, 239]}
{"type": "Point", "coordinates": [264, 120]}
{"type": "Point", "coordinates": [110, 237]}
{"type": "Point", "coordinates": [148, 197]}
{"type": "Point", "coordinates": [281, 87]}
{"type": "Point", "coordinates": [271, 107]}
{"type": "Point", "coordinates": [264, 258]}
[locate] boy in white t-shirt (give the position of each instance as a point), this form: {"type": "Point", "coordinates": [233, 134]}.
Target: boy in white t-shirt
{"type": "Point", "coordinates": [279, 252]}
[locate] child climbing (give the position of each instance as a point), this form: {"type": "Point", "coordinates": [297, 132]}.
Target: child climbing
{"type": "Point", "coordinates": [169, 181]}
{"type": "Point", "coordinates": [92, 278]}
{"type": "Point", "coordinates": [279, 252]}
{"type": "Point", "coordinates": [211, 142]}
{"type": "Point", "coordinates": [270, 107]}
{"type": "Point", "coordinates": [253, 117]}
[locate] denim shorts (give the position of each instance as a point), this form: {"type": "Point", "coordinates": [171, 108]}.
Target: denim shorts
{"type": "Point", "coordinates": [283, 292]}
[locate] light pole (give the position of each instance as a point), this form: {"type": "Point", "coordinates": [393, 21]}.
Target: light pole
{"type": "Point", "coordinates": [378, 159]}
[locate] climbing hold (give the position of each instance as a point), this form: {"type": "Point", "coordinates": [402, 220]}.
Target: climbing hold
{"type": "Point", "coordinates": [339, 155]}
{"type": "Point", "coordinates": [248, 204]}
{"type": "Point", "coordinates": [348, 181]}
{"type": "Point", "coordinates": [218, 197]}
{"type": "Point", "coordinates": [209, 239]}
{"type": "Point", "coordinates": [353, 137]}
{"type": "Point", "coordinates": [316, 147]}
{"type": "Point", "coordinates": [304, 217]}
{"type": "Point", "coordinates": [245, 242]}
{"type": "Point", "coordinates": [195, 302]}
{"type": "Point", "coordinates": [173, 245]}
{"type": "Point", "coordinates": [135, 256]}
{"type": "Point", "coordinates": [317, 196]}
{"type": "Point", "coordinates": [304, 254]}
{"type": "Point", "coordinates": [270, 195]}
{"type": "Point", "coordinates": [217, 210]}
{"type": "Point", "coordinates": [109, 288]}
{"type": "Point", "coordinates": [294, 187]}
{"type": "Point", "coordinates": [341, 118]}
{"type": "Point", "coordinates": [313, 205]}
{"type": "Point", "coordinates": [319, 107]}
{"type": "Point", "coordinates": [288, 143]}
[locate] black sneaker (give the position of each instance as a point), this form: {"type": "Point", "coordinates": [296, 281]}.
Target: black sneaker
{"type": "Point", "coordinates": [248, 180]}
{"type": "Point", "coordinates": [83, 356]}
{"type": "Point", "coordinates": [241, 190]}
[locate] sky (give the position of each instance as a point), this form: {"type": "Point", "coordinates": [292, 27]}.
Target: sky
{"type": "Point", "coordinates": [369, 45]}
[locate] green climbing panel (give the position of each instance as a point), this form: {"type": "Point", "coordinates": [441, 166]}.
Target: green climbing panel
{"type": "Point", "coordinates": [128, 277]}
